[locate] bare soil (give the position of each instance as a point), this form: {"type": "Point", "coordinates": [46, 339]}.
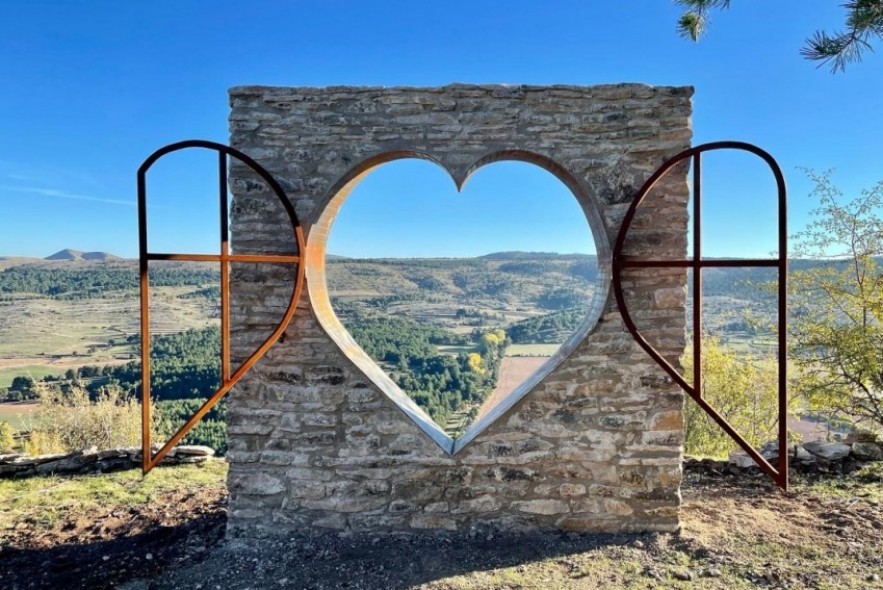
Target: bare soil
{"type": "Point", "coordinates": [736, 534]}
{"type": "Point", "coordinates": [102, 548]}
{"type": "Point", "coordinates": [513, 372]}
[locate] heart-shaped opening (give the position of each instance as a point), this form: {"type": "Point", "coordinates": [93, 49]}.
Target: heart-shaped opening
{"type": "Point", "coordinates": [441, 330]}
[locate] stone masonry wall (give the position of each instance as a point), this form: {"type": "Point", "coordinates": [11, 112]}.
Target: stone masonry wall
{"type": "Point", "coordinates": [316, 439]}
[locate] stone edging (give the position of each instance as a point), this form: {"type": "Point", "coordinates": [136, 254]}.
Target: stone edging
{"type": "Point", "coordinates": [92, 460]}
{"type": "Point", "coordinates": [810, 457]}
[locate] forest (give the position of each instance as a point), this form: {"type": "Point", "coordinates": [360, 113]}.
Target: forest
{"type": "Point", "coordinates": [97, 280]}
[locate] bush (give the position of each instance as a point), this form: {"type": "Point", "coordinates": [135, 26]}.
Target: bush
{"type": "Point", "coordinates": [742, 388]}
{"type": "Point", "coordinates": [71, 421]}
{"type": "Point", "coordinates": [7, 438]}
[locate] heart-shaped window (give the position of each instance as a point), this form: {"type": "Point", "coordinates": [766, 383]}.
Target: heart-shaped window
{"type": "Point", "coordinates": [456, 305]}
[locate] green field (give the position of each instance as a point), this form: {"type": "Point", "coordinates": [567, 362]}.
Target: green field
{"type": "Point", "coordinates": [532, 349]}
{"type": "Point", "coordinates": [36, 372]}
{"type": "Point", "coordinates": [453, 349]}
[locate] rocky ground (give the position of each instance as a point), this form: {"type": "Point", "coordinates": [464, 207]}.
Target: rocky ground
{"type": "Point", "coordinates": [738, 532]}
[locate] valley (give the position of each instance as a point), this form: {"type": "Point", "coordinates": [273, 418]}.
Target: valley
{"type": "Point", "coordinates": [453, 333]}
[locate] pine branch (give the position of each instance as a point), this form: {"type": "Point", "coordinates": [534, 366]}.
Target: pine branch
{"type": "Point", "coordinates": [693, 23]}
{"type": "Point", "coordinates": [864, 23]}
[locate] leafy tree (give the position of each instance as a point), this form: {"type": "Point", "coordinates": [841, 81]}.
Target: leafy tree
{"type": "Point", "coordinates": [837, 334]}
{"type": "Point", "coordinates": [25, 386]}
{"type": "Point", "coordinates": [742, 390]}
{"type": "Point", "coordinates": [863, 23]}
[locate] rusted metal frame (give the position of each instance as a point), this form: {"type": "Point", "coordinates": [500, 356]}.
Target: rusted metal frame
{"type": "Point", "coordinates": [225, 269]}
{"type": "Point", "coordinates": [779, 474]}
{"type": "Point", "coordinates": [697, 276]}
{"type": "Point", "coordinates": [225, 258]}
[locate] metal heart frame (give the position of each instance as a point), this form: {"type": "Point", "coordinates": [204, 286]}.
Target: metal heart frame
{"type": "Point", "coordinates": [779, 474]}
{"type": "Point", "coordinates": [225, 258]}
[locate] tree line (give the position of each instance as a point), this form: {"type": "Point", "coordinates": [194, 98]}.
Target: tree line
{"type": "Point", "coordinates": [96, 281]}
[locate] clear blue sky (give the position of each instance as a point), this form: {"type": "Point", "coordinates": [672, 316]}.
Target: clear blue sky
{"type": "Point", "coordinates": [91, 88]}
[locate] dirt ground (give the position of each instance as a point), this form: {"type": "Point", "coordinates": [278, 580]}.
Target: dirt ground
{"type": "Point", "coordinates": [736, 534]}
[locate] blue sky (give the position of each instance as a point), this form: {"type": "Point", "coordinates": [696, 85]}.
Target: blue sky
{"type": "Point", "coordinates": [91, 88]}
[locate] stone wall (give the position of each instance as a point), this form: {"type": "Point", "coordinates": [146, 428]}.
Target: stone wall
{"type": "Point", "coordinates": [320, 437]}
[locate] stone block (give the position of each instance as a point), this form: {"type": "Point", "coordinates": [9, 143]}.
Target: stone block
{"type": "Point", "coordinates": [867, 451]}
{"type": "Point", "coordinates": [542, 506]}
{"type": "Point", "coordinates": [830, 451]}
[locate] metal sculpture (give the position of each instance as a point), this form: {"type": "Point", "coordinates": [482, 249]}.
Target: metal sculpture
{"type": "Point", "coordinates": [622, 262]}
{"type": "Point", "coordinates": [225, 258]}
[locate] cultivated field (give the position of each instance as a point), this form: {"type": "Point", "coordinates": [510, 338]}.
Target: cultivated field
{"type": "Point", "coordinates": [44, 335]}
{"type": "Point", "coordinates": [513, 372]}
{"type": "Point", "coordinates": [18, 414]}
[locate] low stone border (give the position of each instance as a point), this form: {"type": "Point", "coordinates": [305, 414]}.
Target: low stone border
{"type": "Point", "coordinates": [815, 457]}
{"type": "Point", "coordinates": [94, 461]}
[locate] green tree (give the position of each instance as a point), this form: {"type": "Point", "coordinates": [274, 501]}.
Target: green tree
{"type": "Point", "coordinates": [25, 386]}
{"type": "Point", "coordinates": [862, 25]}
{"type": "Point", "coordinates": [742, 389]}
{"type": "Point", "coordinates": [837, 330]}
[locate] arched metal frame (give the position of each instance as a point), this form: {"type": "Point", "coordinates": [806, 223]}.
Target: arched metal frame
{"type": "Point", "coordinates": [621, 262]}
{"type": "Point", "coordinates": [225, 258]}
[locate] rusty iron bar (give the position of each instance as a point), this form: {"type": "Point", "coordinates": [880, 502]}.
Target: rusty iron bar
{"type": "Point", "coordinates": [224, 258]}
{"type": "Point", "coordinates": [225, 268]}
{"type": "Point", "coordinates": [779, 474]}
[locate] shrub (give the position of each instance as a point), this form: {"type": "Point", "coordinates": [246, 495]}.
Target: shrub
{"type": "Point", "coordinates": [7, 438]}
{"type": "Point", "coordinates": [742, 388]}
{"type": "Point", "coordinates": [71, 421]}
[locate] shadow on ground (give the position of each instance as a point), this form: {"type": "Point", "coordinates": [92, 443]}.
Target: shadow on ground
{"type": "Point", "coordinates": [373, 561]}
{"type": "Point", "coordinates": [106, 563]}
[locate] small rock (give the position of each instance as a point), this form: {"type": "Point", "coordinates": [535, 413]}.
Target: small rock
{"type": "Point", "coordinates": [652, 573]}
{"type": "Point", "coordinates": [198, 450]}
{"type": "Point", "coordinates": [770, 450]}
{"type": "Point", "coordinates": [149, 557]}
{"type": "Point", "coordinates": [867, 451]}
{"type": "Point", "coordinates": [873, 578]}
{"type": "Point", "coordinates": [684, 575]}
{"type": "Point", "coordinates": [801, 455]}
{"type": "Point", "coordinates": [712, 573]}
{"type": "Point", "coordinates": [742, 460]}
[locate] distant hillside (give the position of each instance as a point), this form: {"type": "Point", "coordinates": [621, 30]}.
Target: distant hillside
{"type": "Point", "coordinates": [68, 254]}
{"type": "Point", "coordinates": [518, 255]}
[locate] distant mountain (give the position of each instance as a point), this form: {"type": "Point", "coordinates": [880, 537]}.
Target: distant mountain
{"type": "Point", "coordinates": [68, 254]}
{"type": "Point", "coordinates": [518, 255]}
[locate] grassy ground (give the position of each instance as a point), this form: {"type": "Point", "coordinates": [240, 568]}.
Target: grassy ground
{"type": "Point", "coordinates": [36, 372]}
{"type": "Point", "coordinates": [42, 502]}
{"type": "Point", "coordinates": [166, 529]}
